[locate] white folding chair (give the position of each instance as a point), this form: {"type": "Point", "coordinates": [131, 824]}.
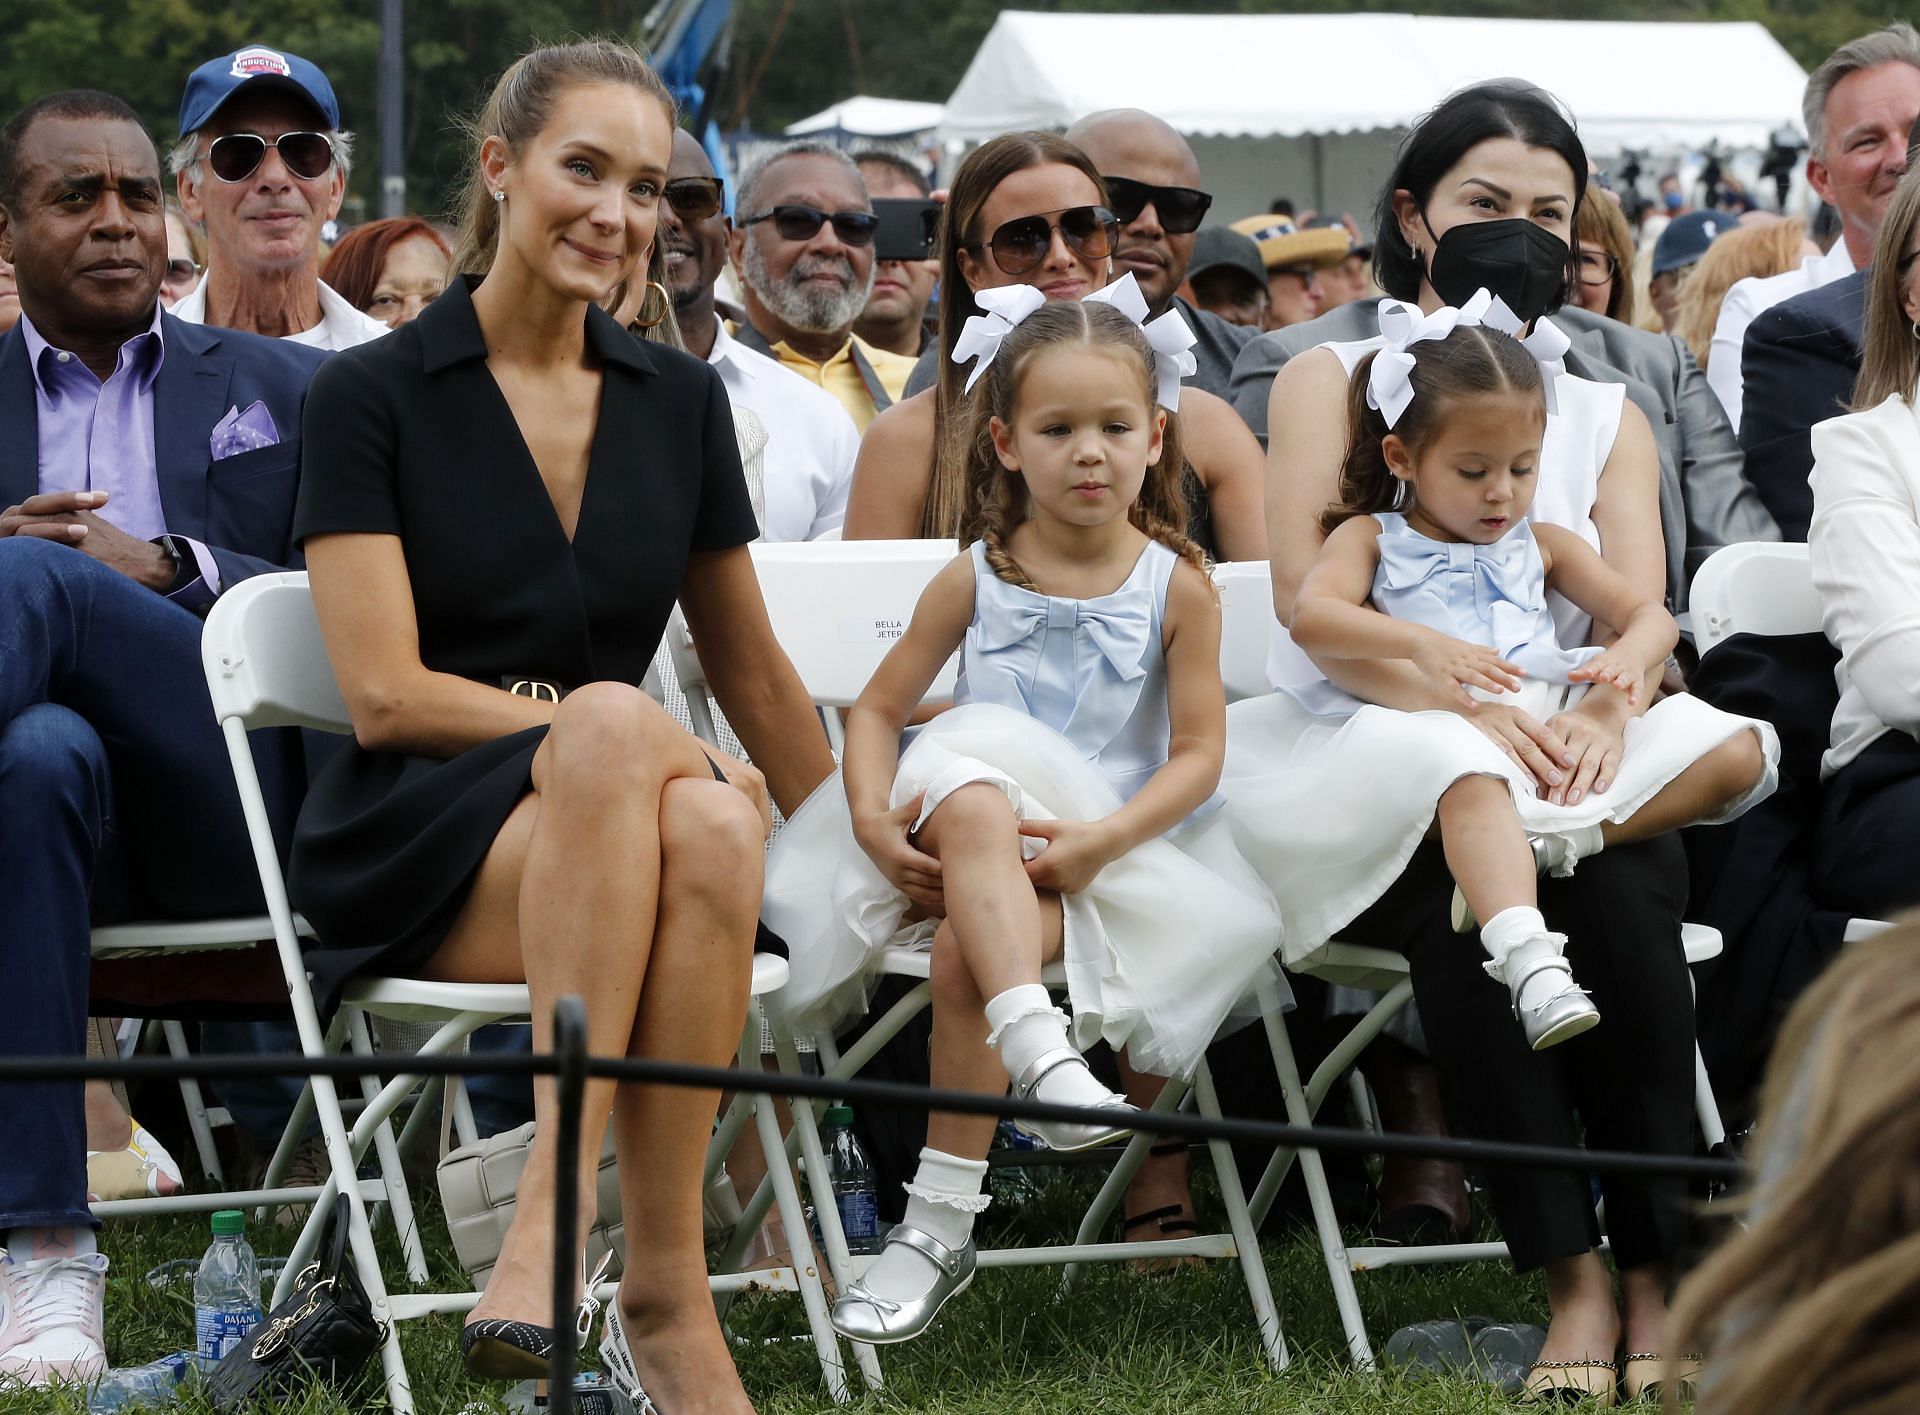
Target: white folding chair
{"type": "Point", "coordinates": [1248, 629]}
{"type": "Point", "coordinates": [1761, 587]}
{"type": "Point", "coordinates": [266, 665]}
{"type": "Point", "coordinates": [836, 608]}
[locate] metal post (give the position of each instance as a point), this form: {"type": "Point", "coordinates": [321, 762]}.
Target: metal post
{"type": "Point", "coordinates": [392, 102]}
{"type": "Point", "coordinates": [570, 1046]}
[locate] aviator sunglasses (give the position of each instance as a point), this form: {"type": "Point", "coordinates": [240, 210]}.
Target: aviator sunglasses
{"type": "Point", "coordinates": [694, 198]}
{"type": "Point", "coordinates": [1181, 208]}
{"type": "Point", "coordinates": [1021, 244]}
{"type": "Point", "coordinates": [237, 156]}
{"type": "Point", "coordinates": [802, 223]}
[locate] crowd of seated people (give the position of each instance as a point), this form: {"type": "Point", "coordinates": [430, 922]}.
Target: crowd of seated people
{"type": "Point", "coordinates": [1484, 451]}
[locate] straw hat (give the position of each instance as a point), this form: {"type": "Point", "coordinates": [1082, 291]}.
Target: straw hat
{"type": "Point", "coordinates": [1282, 243]}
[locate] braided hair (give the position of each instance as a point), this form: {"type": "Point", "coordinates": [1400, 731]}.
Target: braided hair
{"type": "Point", "coordinates": [996, 497]}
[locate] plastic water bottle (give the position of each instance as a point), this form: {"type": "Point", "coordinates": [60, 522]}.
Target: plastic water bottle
{"type": "Point", "coordinates": [140, 1387]}
{"type": "Point", "coordinates": [852, 1178]}
{"type": "Point", "coordinates": [226, 1290]}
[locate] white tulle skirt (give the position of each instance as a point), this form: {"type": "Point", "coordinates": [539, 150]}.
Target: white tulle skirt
{"type": "Point", "coordinates": [1161, 949]}
{"type": "Point", "coordinates": [1330, 809]}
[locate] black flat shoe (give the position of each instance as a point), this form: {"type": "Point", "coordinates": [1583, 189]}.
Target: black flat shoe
{"type": "Point", "coordinates": [500, 1349]}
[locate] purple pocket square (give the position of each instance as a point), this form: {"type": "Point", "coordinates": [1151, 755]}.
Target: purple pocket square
{"type": "Point", "coordinates": [241, 432]}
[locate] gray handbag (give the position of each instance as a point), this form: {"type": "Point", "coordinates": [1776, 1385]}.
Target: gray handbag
{"type": "Point", "coordinates": [478, 1183]}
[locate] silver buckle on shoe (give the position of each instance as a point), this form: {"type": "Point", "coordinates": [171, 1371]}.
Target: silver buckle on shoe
{"type": "Point", "coordinates": [929, 1247]}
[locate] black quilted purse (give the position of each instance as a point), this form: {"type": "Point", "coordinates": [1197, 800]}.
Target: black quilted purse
{"type": "Point", "coordinates": [324, 1331]}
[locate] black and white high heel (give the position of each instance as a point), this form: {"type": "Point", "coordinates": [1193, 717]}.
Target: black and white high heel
{"type": "Point", "coordinates": [506, 1349]}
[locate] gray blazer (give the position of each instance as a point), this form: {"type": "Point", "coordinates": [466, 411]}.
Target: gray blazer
{"type": "Point", "coordinates": [1705, 499]}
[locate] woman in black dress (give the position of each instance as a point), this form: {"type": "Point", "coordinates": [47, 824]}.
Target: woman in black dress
{"type": "Point", "coordinates": [500, 503]}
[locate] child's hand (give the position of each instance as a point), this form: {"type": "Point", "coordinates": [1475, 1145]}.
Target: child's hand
{"type": "Point", "coordinates": [1076, 852]}
{"type": "Point", "coordinates": [1612, 667]}
{"type": "Point", "coordinates": [911, 871]}
{"type": "Point", "coordinates": [1459, 665]}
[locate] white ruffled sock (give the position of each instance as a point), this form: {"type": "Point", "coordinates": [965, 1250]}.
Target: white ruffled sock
{"type": "Point", "coordinates": [943, 1200]}
{"type": "Point", "coordinates": [1025, 1025]}
{"type": "Point", "coordinates": [1513, 938]}
{"type": "Point", "coordinates": [1559, 852]}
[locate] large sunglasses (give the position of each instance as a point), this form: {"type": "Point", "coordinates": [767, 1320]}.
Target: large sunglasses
{"type": "Point", "coordinates": [695, 198]}
{"type": "Point", "coordinates": [803, 223]}
{"type": "Point", "coordinates": [1089, 231]}
{"type": "Point", "coordinates": [1181, 208]}
{"type": "Point", "coordinates": [237, 156]}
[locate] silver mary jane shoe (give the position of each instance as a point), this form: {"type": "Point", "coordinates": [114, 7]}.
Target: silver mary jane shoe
{"type": "Point", "coordinates": [1565, 1012]}
{"type": "Point", "coordinates": [861, 1315]}
{"type": "Point", "coordinates": [1066, 1135]}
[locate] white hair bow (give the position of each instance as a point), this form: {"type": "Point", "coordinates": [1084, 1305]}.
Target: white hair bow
{"type": "Point", "coordinates": [1168, 336]}
{"type": "Point", "coordinates": [1402, 325]}
{"type": "Point", "coordinates": [981, 335]}
{"type": "Point", "coordinates": [1005, 308]}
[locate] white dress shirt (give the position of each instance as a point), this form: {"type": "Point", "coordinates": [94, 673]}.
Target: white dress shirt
{"type": "Point", "coordinates": [341, 326]}
{"type": "Point", "coordinates": [1745, 302]}
{"type": "Point", "coordinates": [1865, 548]}
{"type": "Point", "coordinates": [811, 441]}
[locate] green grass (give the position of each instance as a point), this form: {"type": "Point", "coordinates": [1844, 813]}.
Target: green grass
{"type": "Point", "coordinates": [1178, 1343]}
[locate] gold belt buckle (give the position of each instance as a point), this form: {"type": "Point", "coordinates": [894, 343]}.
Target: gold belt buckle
{"type": "Point", "coordinates": [538, 689]}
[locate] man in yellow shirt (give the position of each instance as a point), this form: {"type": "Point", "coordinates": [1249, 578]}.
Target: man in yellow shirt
{"type": "Point", "coordinates": [803, 246]}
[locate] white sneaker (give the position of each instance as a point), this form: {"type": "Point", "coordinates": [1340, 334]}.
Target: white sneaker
{"type": "Point", "coordinates": [52, 1318]}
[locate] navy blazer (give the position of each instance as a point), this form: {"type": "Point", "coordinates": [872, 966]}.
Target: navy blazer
{"type": "Point", "coordinates": [1798, 365]}
{"type": "Point", "coordinates": [240, 508]}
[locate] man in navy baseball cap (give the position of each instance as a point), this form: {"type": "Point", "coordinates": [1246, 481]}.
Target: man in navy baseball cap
{"type": "Point", "coordinates": [262, 163]}
{"type": "Point", "coordinates": [1677, 251]}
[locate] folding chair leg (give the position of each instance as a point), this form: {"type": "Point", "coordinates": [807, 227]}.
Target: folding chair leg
{"type": "Point", "coordinates": [1712, 1129]}
{"type": "Point", "coordinates": [1333, 1245]}
{"type": "Point", "coordinates": [806, 1262]}
{"type": "Point", "coordinates": [825, 1211]}
{"type": "Point", "coordinates": [432, 1092]}
{"type": "Point", "coordinates": [393, 1178]}
{"type": "Point", "coordinates": [1121, 1175]}
{"type": "Point", "coordinates": [1253, 1265]}
{"type": "Point", "coordinates": [196, 1106]}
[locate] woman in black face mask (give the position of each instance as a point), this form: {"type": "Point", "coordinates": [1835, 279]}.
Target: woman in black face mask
{"type": "Point", "coordinates": [1484, 195]}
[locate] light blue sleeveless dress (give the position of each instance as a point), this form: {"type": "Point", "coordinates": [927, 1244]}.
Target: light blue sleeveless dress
{"type": "Point", "coordinates": [1330, 810]}
{"type": "Point", "coordinates": [1062, 705]}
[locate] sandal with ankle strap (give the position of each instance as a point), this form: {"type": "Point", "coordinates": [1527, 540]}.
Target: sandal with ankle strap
{"type": "Point", "coordinates": [1556, 1391]}
{"type": "Point", "coordinates": [1653, 1387]}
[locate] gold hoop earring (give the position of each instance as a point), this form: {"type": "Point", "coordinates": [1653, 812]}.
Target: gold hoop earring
{"type": "Point", "coordinates": [640, 321]}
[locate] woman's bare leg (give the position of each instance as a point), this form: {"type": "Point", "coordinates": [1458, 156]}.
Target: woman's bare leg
{"type": "Point", "coordinates": [1725, 774]}
{"type": "Point", "coordinates": [692, 1008]}
{"type": "Point", "coordinates": [576, 872]}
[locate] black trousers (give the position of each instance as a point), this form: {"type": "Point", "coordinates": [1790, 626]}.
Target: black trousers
{"type": "Point", "coordinates": [1870, 830]}
{"type": "Point", "coordinates": [1629, 1081]}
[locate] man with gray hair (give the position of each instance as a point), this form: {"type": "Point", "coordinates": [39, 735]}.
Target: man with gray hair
{"type": "Point", "coordinates": [1858, 108]}
{"type": "Point", "coordinates": [262, 163]}
{"type": "Point", "coordinates": [803, 245]}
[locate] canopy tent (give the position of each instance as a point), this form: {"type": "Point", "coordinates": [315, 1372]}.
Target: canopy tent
{"type": "Point", "coordinates": [865, 117]}
{"type": "Point", "coordinates": [1342, 87]}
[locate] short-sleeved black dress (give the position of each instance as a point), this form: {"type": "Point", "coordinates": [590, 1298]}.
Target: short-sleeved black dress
{"type": "Point", "coordinates": [411, 436]}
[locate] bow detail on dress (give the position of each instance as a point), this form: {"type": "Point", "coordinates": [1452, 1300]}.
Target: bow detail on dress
{"type": "Point", "coordinates": [1168, 336]}
{"type": "Point", "coordinates": [1119, 626]}
{"type": "Point", "coordinates": [1402, 325]}
{"type": "Point", "coordinates": [1508, 603]}
{"type": "Point", "coordinates": [981, 335]}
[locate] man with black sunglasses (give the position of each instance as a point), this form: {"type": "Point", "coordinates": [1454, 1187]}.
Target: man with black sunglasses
{"type": "Point", "coordinates": [803, 247]}
{"type": "Point", "coordinates": [262, 163]}
{"type": "Point", "coordinates": [1153, 187]}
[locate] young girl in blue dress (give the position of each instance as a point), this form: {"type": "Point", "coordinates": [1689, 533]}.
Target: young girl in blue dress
{"type": "Point", "coordinates": [1431, 557]}
{"type": "Point", "coordinates": [1064, 809]}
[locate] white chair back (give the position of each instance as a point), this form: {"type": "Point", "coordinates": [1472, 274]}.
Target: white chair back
{"type": "Point", "coordinates": [1754, 588]}
{"type": "Point", "coordinates": [265, 662]}
{"type": "Point", "coordinates": [1247, 626]}
{"type": "Point", "coordinates": [837, 607]}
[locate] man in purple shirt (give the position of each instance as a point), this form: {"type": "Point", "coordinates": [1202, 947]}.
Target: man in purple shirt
{"type": "Point", "coordinates": [145, 466]}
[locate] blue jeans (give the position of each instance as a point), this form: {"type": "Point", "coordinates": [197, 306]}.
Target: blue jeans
{"type": "Point", "coordinates": [116, 802]}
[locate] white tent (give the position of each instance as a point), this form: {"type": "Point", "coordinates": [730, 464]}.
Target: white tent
{"type": "Point", "coordinates": [865, 117]}
{"type": "Point", "coordinates": [1310, 105]}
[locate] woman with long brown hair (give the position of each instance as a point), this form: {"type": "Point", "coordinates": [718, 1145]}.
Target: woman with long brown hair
{"type": "Point", "coordinates": [500, 503]}
{"type": "Point", "coordinates": [1813, 1303]}
{"type": "Point", "coordinates": [1029, 208]}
